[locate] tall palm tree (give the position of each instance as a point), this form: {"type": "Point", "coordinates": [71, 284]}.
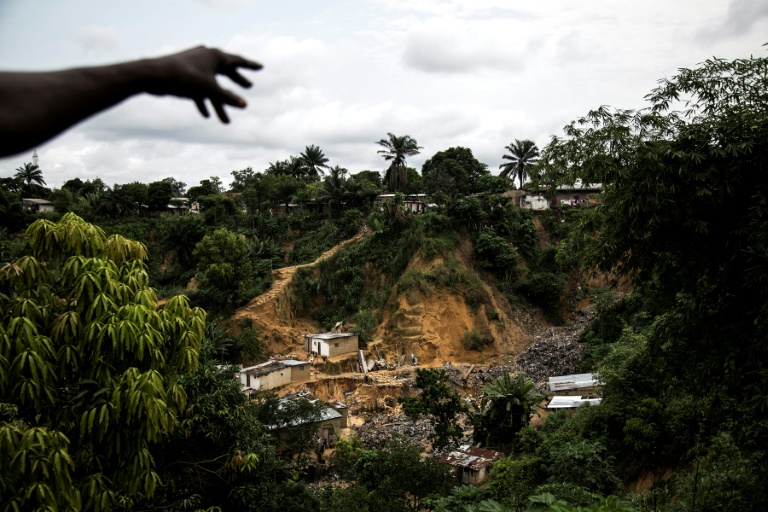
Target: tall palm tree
{"type": "Point", "coordinates": [31, 176]}
{"type": "Point", "coordinates": [314, 161]}
{"type": "Point", "coordinates": [395, 150]}
{"type": "Point", "coordinates": [524, 155]}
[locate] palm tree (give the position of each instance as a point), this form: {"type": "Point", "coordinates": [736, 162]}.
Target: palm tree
{"type": "Point", "coordinates": [29, 174]}
{"type": "Point", "coordinates": [314, 161]}
{"type": "Point", "coordinates": [276, 168]}
{"type": "Point", "coordinates": [506, 407]}
{"type": "Point", "coordinates": [524, 154]}
{"type": "Point", "coordinates": [294, 166]}
{"type": "Point", "coordinates": [334, 189]}
{"type": "Point", "coordinates": [395, 150]}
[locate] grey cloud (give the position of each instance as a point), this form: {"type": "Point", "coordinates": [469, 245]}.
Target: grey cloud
{"type": "Point", "coordinates": [740, 18]}
{"type": "Point", "coordinates": [446, 53]}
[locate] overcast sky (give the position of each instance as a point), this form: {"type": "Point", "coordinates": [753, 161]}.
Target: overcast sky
{"type": "Point", "coordinates": [341, 74]}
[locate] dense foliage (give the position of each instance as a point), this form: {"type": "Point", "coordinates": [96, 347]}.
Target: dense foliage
{"type": "Point", "coordinates": [90, 370]}
{"type": "Point", "coordinates": [684, 204]}
{"type": "Point", "coordinates": [440, 403]}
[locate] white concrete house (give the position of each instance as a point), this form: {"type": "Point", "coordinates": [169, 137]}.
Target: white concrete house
{"type": "Point", "coordinates": [331, 344]}
{"type": "Point", "coordinates": [269, 375]}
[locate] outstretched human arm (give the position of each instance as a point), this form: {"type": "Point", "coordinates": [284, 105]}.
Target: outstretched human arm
{"type": "Point", "coordinates": [35, 107]}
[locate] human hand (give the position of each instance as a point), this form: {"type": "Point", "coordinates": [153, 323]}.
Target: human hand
{"type": "Point", "coordinates": [192, 74]}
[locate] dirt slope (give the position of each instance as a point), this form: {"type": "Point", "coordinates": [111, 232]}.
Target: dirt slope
{"type": "Point", "coordinates": [432, 325]}
{"type": "Point", "coordinates": [272, 314]}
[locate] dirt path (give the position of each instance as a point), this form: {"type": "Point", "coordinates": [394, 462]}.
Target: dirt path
{"type": "Point", "coordinates": [271, 310]}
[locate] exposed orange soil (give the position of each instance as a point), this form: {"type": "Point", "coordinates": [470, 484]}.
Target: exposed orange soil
{"type": "Point", "coordinates": [272, 314]}
{"type": "Point", "coordinates": [430, 326]}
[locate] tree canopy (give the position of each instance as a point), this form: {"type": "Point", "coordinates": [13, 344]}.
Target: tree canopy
{"type": "Point", "coordinates": [90, 369]}
{"type": "Point", "coordinates": [454, 171]}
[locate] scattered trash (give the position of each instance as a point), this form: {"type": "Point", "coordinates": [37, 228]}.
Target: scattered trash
{"type": "Point", "coordinates": [556, 352]}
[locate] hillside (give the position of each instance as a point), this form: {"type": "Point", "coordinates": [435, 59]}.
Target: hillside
{"type": "Point", "coordinates": [272, 313]}
{"type": "Point", "coordinates": [435, 303]}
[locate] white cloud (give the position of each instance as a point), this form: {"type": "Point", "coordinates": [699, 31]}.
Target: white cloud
{"type": "Point", "coordinates": [341, 75]}
{"type": "Point", "coordinates": [94, 39]}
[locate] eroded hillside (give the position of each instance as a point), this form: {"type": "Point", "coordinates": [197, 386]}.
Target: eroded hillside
{"type": "Point", "coordinates": [440, 310]}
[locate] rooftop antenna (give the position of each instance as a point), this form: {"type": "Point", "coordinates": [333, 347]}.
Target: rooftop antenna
{"type": "Point", "coordinates": [34, 158]}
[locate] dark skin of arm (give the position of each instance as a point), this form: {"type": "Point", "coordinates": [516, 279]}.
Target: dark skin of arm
{"type": "Point", "coordinates": [34, 107]}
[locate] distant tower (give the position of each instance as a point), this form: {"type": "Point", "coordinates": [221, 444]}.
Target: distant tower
{"type": "Point", "coordinates": [34, 158]}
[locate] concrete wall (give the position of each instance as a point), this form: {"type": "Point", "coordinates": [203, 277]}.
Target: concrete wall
{"type": "Point", "coordinates": [340, 346]}
{"type": "Point", "coordinates": [535, 203]}
{"type": "Point", "coordinates": [300, 372]}
{"type": "Point", "coordinates": [332, 347]}
{"type": "Point", "coordinates": [272, 380]}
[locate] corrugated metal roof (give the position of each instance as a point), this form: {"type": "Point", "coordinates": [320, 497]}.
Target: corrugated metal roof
{"type": "Point", "coordinates": [575, 381]}
{"type": "Point", "coordinates": [327, 413]}
{"type": "Point", "coordinates": [263, 368]}
{"type": "Point", "coordinates": [474, 458]}
{"type": "Point", "coordinates": [293, 362]}
{"type": "Point", "coordinates": [330, 335]}
{"type": "Point", "coordinates": [580, 186]}
{"type": "Point", "coordinates": [569, 402]}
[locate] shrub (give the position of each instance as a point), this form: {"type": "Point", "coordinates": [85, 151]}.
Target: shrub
{"type": "Point", "coordinates": [543, 289]}
{"type": "Point", "coordinates": [249, 347]}
{"type": "Point", "coordinates": [494, 253]}
{"type": "Point", "coordinates": [365, 321]}
{"type": "Point", "coordinates": [475, 340]}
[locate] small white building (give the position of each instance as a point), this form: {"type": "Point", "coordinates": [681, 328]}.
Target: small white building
{"type": "Point", "coordinates": [269, 375]}
{"type": "Point", "coordinates": [37, 205]}
{"type": "Point", "coordinates": [416, 203]}
{"type": "Point", "coordinates": [331, 344]}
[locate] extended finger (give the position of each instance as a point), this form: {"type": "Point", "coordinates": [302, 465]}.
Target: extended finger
{"type": "Point", "coordinates": [241, 62]}
{"type": "Point", "coordinates": [230, 98]}
{"type": "Point", "coordinates": [201, 107]}
{"type": "Point", "coordinates": [219, 107]}
{"type": "Point", "coordinates": [237, 77]}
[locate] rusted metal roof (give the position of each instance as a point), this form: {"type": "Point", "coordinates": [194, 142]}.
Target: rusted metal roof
{"type": "Point", "coordinates": [473, 458]}
{"type": "Point", "coordinates": [263, 368]}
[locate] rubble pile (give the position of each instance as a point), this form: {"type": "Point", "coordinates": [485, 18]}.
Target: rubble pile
{"type": "Point", "coordinates": [376, 432]}
{"type": "Point", "coordinates": [555, 352]}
